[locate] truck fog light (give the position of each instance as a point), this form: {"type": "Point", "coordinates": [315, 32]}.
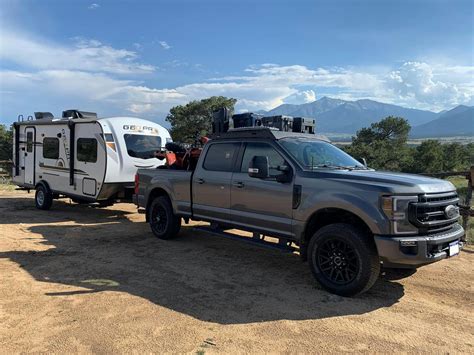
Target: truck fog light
{"type": "Point", "coordinates": [409, 247]}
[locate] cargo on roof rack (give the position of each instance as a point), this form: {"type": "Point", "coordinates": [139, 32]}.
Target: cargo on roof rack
{"type": "Point", "coordinates": [222, 122]}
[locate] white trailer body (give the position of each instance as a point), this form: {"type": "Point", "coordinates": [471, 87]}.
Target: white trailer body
{"type": "Point", "coordinates": [88, 160]}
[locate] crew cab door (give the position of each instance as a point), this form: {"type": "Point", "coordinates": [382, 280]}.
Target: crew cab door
{"type": "Point", "coordinates": [262, 203]}
{"type": "Point", "coordinates": [211, 182]}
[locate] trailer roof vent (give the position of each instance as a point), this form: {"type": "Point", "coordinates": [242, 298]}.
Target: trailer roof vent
{"type": "Point", "coordinates": [78, 114]}
{"type": "Point", "coordinates": [44, 115]}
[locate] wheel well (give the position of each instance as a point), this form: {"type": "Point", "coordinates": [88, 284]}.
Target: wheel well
{"type": "Point", "coordinates": [154, 194]}
{"type": "Point", "coordinates": [44, 183]}
{"type": "Point", "coordinates": [328, 216]}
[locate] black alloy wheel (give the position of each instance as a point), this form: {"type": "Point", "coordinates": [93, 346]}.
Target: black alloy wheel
{"type": "Point", "coordinates": [337, 261]}
{"type": "Point", "coordinates": [163, 222]}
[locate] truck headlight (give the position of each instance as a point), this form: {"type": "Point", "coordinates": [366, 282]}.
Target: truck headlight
{"type": "Point", "coordinates": [396, 210]}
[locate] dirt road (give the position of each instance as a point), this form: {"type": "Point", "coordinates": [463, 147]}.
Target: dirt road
{"type": "Point", "coordinates": [79, 279]}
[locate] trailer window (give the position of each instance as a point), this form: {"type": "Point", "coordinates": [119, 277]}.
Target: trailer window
{"type": "Point", "coordinates": [29, 142]}
{"type": "Point", "coordinates": [142, 146]}
{"type": "Point", "coordinates": [220, 156]}
{"type": "Point", "coordinates": [51, 148]}
{"type": "Point", "coordinates": [87, 150]}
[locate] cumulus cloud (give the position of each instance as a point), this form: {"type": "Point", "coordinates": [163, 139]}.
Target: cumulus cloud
{"type": "Point", "coordinates": [301, 97]}
{"type": "Point", "coordinates": [164, 45]}
{"type": "Point", "coordinates": [90, 74]}
{"type": "Point", "coordinates": [82, 54]}
{"type": "Point", "coordinates": [421, 83]}
{"type": "Point", "coordinates": [93, 6]}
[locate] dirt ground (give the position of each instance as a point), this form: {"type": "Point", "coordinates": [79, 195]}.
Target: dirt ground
{"type": "Point", "coordinates": [82, 279]}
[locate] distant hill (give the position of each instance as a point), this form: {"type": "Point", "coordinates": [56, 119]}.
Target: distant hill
{"type": "Point", "coordinates": [341, 116]}
{"type": "Point", "coordinates": [456, 122]}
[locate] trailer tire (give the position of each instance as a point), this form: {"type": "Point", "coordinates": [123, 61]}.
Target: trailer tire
{"type": "Point", "coordinates": [163, 222]}
{"type": "Point", "coordinates": [343, 259]}
{"type": "Point", "coordinates": [43, 197]}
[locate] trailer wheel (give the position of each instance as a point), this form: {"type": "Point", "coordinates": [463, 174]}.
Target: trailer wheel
{"type": "Point", "coordinates": [343, 259]}
{"type": "Point", "coordinates": [43, 198]}
{"type": "Point", "coordinates": [163, 222]}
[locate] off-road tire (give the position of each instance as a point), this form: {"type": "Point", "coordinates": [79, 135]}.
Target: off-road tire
{"type": "Point", "coordinates": [163, 222]}
{"type": "Point", "coordinates": [43, 197]}
{"type": "Point", "coordinates": [343, 259]}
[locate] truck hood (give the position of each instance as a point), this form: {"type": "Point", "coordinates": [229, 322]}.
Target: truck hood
{"type": "Point", "coordinates": [393, 182]}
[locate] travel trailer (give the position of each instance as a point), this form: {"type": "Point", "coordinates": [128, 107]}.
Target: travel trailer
{"type": "Point", "coordinates": [83, 157]}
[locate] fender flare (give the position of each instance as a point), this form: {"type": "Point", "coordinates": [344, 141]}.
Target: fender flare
{"type": "Point", "coordinates": [44, 184]}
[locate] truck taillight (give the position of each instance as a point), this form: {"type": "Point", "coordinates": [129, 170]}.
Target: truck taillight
{"type": "Point", "coordinates": [136, 184]}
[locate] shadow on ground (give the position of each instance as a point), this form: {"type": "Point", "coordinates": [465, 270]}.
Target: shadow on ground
{"type": "Point", "coordinates": [204, 276]}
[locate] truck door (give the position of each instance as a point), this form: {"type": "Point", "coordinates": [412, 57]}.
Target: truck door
{"type": "Point", "coordinates": [29, 153]}
{"type": "Point", "coordinates": [262, 203]}
{"type": "Point", "coordinates": [211, 182]}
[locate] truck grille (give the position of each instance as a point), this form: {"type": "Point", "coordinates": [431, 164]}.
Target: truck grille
{"type": "Point", "coordinates": [431, 213]}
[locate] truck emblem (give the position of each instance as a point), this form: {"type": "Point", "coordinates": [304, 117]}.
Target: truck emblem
{"type": "Point", "coordinates": [450, 211]}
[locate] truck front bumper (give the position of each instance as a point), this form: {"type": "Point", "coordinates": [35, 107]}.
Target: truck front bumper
{"type": "Point", "coordinates": [417, 250]}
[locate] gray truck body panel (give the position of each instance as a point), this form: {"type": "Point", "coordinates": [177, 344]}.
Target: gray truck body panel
{"type": "Point", "coordinates": [234, 198]}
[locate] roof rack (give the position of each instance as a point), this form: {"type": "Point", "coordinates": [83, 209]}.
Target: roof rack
{"type": "Point", "coordinates": [245, 132]}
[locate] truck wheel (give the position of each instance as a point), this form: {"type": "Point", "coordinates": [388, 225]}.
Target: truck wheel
{"type": "Point", "coordinates": [343, 259]}
{"type": "Point", "coordinates": [43, 198]}
{"type": "Point", "coordinates": [163, 222]}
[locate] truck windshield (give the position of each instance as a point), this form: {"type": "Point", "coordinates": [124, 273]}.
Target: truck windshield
{"type": "Point", "coordinates": [313, 154]}
{"type": "Point", "coordinates": [142, 146]}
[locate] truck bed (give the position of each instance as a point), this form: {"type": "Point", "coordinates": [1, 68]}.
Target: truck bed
{"type": "Point", "coordinates": [176, 183]}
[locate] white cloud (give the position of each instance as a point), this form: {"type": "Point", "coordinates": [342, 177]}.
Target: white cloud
{"type": "Point", "coordinates": [301, 97]}
{"type": "Point", "coordinates": [95, 80]}
{"type": "Point", "coordinates": [164, 45]}
{"type": "Point", "coordinates": [426, 85]}
{"type": "Point", "coordinates": [83, 54]}
{"type": "Point", "coordinates": [93, 6]}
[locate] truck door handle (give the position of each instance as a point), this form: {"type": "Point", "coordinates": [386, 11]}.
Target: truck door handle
{"type": "Point", "coordinates": [200, 181]}
{"type": "Point", "coordinates": [239, 184]}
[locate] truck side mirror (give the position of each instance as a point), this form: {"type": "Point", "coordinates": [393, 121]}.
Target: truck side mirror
{"type": "Point", "coordinates": [258, 167]}
{"type": "Point", "coordinates": [363, 161]}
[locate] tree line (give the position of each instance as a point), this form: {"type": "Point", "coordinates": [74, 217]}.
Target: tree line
{"type": "Point", "coordinates": [384, 144]}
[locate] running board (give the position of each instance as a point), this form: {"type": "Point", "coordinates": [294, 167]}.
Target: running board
{"type": "Point", "coordinates": [251, 240]}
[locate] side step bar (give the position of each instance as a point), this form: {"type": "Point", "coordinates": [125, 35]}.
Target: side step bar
{"type": "Point", "coordinates": [251, 240]}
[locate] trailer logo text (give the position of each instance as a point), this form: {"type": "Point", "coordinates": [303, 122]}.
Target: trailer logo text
{"type": "Point", "coordinates": [136, 128]}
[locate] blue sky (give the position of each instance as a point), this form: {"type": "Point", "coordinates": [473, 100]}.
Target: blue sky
{"type": "Point", "coordinates": [142, 57]}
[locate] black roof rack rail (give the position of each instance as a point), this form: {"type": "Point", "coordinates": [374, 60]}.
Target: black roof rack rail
{"type": "Point", "coordinates": [247, 132]}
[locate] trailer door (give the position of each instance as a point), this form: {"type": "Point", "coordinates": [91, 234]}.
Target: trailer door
{"type": "Point", "coordinates": [30, 155]}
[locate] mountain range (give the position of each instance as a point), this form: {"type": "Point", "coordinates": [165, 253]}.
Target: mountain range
{"type": "Point", "coordinates": [346, 117]}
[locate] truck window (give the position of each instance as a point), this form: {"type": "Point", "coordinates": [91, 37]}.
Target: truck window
{"type": "Point", "coordinates": [87, 150]}
{"type": "Point", "coordinates": [220, 156]}
{"type": "Point", "coordinates": [274, 158]}
{"type": "Point", "coordinates": [142, 146]}
{"type": "Point", "coordinates": [51, 148]}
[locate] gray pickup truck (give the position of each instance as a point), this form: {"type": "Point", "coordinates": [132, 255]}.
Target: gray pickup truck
{"type": "Point", "coordinates": [346, 219]}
